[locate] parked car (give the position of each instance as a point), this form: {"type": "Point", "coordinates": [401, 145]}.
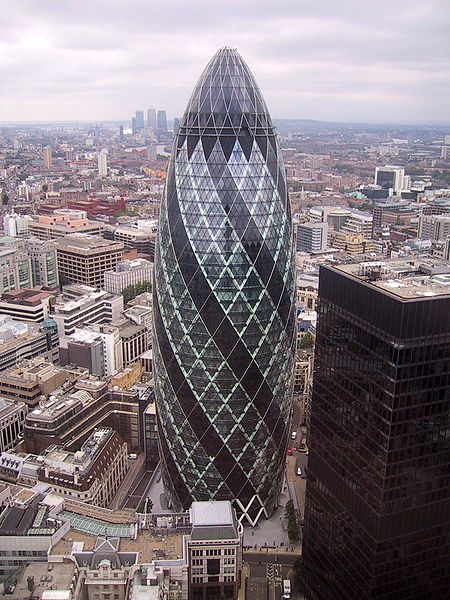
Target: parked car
{"type": "Point", "coordinates": [289, 452]}
{"type": "Point", "coordinates": [293, 435]}
{"type": "Point", "coordinates": [299, 471]}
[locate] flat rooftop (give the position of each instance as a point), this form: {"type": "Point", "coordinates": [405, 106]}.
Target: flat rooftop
{"type": "Point", "coordinates": [405, 279]}
{"type": "Point", "coordinates": [211, 513]}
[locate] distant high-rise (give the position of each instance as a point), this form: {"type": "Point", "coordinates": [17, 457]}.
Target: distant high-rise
{"type": "Point", "coordinates": [162, 120]}
{"type": "Point", "coordinates": [377, 500]}
{"type": "Point", "coordinates": [151, 119]}
{"type": "Point", "coordinates": [47, 157]}
{"type": "Point", "coordinates": [139, 123]}
{"type": "Point", "coordinates": [176, 125]}
{"type": "Point", "coordinates": [224, 300]}
{"type": "Point", "coordinates": [103, 163]}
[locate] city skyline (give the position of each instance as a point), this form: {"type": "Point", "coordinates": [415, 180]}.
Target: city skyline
{"type": "Point", "coordinates": [55, 67]}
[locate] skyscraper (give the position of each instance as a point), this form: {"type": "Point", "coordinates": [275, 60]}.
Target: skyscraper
{"type": "Point", "coordinates": [151, 119]}
{"type": "Point", "coordinates": [377, 498]}
{"type": "Point", "coordinates": [139, 122]}
{"type": "Point", "coordinates": [224, 331]}
{"type": "Point", "coordinates": [162, 120]}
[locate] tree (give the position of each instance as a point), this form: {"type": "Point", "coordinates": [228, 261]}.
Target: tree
{"type": "Point", "coordinates": [306, 341]}
{"type": "Point", "coordinates": [134, 290]}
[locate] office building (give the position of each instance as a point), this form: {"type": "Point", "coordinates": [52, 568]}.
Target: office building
{"type": "Point", "coordinates": [69, 419]}
{"type": "Point", "coordinates": [29, 305]}
{"type": "Point", "coordinates": [224, 300]}
{"type": "Point", "coordinates": [176, 125]}
{"type": "Point", "coordinates": [141, 238]}
{"type": "Point", "coordinates": [15, 225]}
{"type": "Point", "coordinates": [84, 259]}
{"type": "Point", "coordinates": [15, 269]}
{"type": "Point", "coordinates": [62, 222]}
{"type": "Point", "coordinates": [134, 342]}
{"type": "Point", "coordinates": [44, 265]}
{"type": "Point", "coordinates": [25, 537]}
{"type": "Point", "coordinates": [312, 237]}
{"type": "Point", "coordinates": [390, 178]}
{"type": "Point", "coordinates": [139, 121]}
{"type": "Point", "coordinates": [434, 227]}
{"type": "Point", "coordinates": [151, 119]}
{"type": "Point", "coordinates": [126, 273]}
{"type": "Point", "coordinates": [102, 160]}
{"type": "Point", "coordinates": [47, 157]}
{"type": "Point", "coordinates": [82, 305]}
{"type": "Point", "coordinates": [97, 348]}
{"type": "Point", "coordinates": [12, 417]}
{"type": "Point", "coordinates": [93, 473]}
{"type": "Point", "coordinates": [162, 120]}
{"type": "Point", "coordinates": [214, 550]}
{"type": "Point", "coordinates": [376, 516]}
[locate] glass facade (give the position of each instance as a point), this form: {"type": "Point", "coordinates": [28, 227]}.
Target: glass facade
{"type": "Point", "coordinates": [377, 500]}
{"type": "Point", "coordinates": [224, 315]}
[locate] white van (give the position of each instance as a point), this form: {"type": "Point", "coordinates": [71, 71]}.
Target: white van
{"type": "Point", "coordinates": [286, 589]}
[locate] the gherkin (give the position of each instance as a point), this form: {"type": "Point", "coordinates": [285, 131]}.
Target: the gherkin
{"type": "Point", "coordinates": [224, 301]}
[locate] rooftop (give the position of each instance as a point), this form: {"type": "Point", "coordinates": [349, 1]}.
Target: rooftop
{"type": "Point", "coordinates": [405, 279]}
{"type": "Point", "coordinates": [82, 241]}
{"type": "Point", "coordinates": [211, 513]}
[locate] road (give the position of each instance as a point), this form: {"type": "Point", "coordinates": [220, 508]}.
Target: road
{"type": "Point", "coordinates": [272, 566]}
{"type": "Point", "coordinates": [135, 470]}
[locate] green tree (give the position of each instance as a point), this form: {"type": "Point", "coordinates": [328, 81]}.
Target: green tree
{"type": "Point", "coordinates": [134, 290]}
{"type": "Point", "coordinates": [306, 341]}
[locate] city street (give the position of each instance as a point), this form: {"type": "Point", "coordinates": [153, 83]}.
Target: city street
{"type": "Point", "coordinates": [274, 566]}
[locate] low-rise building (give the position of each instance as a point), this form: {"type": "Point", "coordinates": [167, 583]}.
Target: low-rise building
{"type": "Point", "coordinates": [92, 474]}
{"type": "Point", "coordinates": [62, 222]}
{"type": "Point", "coordinates": [127, 273]}
{"type": "Point", "coordinates": [48, 581]}
{"type": "Point", "coordinates": [77, 307]}
{"type": "Point", "coordinates": [68, 420]}
{"type": "Point", "coordinates": [31, 381]}
{"type": "Point", "coordinates": [22, 341]}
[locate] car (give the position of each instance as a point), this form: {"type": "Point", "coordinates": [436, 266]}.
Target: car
{"type": "Point", "coordinates": [289, 452]}
{"type": "Point", "coordinates": [299, 471]}
{"type": "Point", "coordinates": [293, 435]}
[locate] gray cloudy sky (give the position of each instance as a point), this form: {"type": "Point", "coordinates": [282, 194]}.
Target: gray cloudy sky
{"type": "Point", "coordinates": [346, 60]}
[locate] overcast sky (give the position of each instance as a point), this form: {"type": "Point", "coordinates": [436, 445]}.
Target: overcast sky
{"type": "Point", "coordinates": [347, 60]}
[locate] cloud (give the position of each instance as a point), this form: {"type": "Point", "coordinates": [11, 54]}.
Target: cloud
{"type": "Point", "coordinates": [98, 60]}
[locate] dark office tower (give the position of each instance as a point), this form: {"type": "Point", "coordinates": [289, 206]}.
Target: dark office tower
{"type": "Point", "coordinates": [139, 120]}
{"type": "Point", "coordinates": [377, 499]}
{"type": "Point", "coordinates": [121, 136]}
{"type": "Point", "coordinates": [224, 331]}
{"type": "Point", "coordinates": [176, 125]}
{"type": "Point", "coordinates": [133, 125]}
{"type": "Point", "coordinates": [162, 120]}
